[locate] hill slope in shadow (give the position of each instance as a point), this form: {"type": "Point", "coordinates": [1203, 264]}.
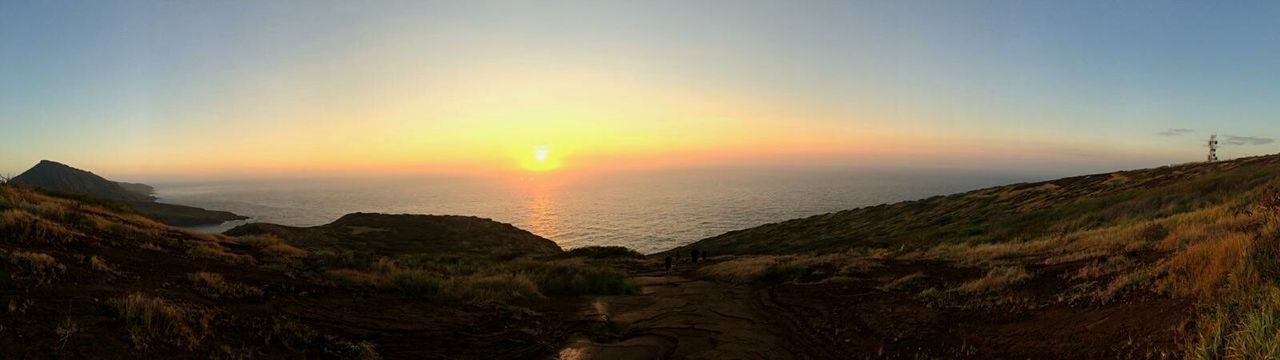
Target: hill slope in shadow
{"type": "Point", "coordinates": [56, 177]}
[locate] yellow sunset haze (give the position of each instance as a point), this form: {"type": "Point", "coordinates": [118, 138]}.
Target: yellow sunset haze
{"type": "Point", "coordinates": [541, 159]}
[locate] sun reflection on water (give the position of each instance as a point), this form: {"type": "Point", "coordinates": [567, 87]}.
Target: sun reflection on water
{"type": "Point", "coordinates": [542, 213]}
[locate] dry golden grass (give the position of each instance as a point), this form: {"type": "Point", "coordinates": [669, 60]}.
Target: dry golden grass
{"type": "Point", "coordinates": [349, 277]}
{"type": "Point", "coordinates": [1243, 321]}
{"type": "Point", "coordinates": [214, 286]}
{"type": "Point", "coordinates": [97, 263]}
{"type": "Point", "coordinates": [996, 279]}
{"type": "Point", "coordinates": [494, 288]}
{"type": "Point", "coordinates": [213, 251]}
{"type": "Point", "coordinates": [22, 226]}
{"type": "Point", "coordinates": [905, 282]}
{"type": "Point", "coordinates": [51, 210]}
{"type": "Point", "coordinates": [151, 319]}
{"type": "Point", "coordinates": [486, 282]}
{"type": "Point", "coordinates": [984, 254]}
{"type": "Point", "coordinates": [769, 268]}
{"type": "Point", "coordinates": [66, 330]}
{"type": "Point", "coordinates": [1243, 326]}
{"type": "Point", "coordinates": [742, 269]}
{"type": "Point", "coordinates": [36, 267]}
{"type": "Point", "coordinates": [425, 284]}
{"type": "Point", "coordinates": [1104, 267]}
{"type": "Point", "coordinates": [1132, 281]}
{"type": "Point", "coordinates": [1201, 269]}
{"type": "Point", "coordinates": [269, 245]}
{"type": "Point", "coordinates": [55, 219]}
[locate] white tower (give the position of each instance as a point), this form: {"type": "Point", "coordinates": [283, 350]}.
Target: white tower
{"type": "Point", "coordinates": [1213, 147]}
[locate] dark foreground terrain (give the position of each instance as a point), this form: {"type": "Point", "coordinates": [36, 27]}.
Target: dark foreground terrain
{"type": "Point", "coordinates": [1174, 262]}
{"type": "Point", "coordinates": [680, 315]}
{"type": "Point", "coordinates": [84, 281]}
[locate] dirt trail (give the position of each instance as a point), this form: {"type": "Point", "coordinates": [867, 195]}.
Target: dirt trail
{"type": "Point", "coordinates": [675, 316]}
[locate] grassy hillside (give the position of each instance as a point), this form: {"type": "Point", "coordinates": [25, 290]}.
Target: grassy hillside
{"type": "Point", "coordinates": [1177, 261]}
{"type": "Point", "coordinates": [84, 280]}
{"type": "Point", "coordinates": [1018, 212]}
{"type": "Point", "coordinates": [56, 178]}
{"type": "Point", "coordinates": [386, 235]}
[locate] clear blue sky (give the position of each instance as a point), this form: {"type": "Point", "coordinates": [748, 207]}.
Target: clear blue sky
{"type": "Point", "coordinates": [168, 87]}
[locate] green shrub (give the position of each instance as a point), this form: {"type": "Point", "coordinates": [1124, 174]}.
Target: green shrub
{"type": "Point", "coordinates": [1246, 326]}
{"type": "Point", "coordinates": [603, 252]}
{"type": "Point", "coordinates": [454, 279]}
{"type": "Point", "coordinates": [418, 283]}
{"type": "Point", "coordinates": [781, 272]}
{"type": "Point", "coordinates": [343, 259]}
{"type": "Point", "coordinates": [564, 278]}
{"type": "Point", "coordinates": [479, 289]}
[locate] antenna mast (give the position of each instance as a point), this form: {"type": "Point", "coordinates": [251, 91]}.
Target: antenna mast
{"type": "Point", "coordinates": [1213, 147]}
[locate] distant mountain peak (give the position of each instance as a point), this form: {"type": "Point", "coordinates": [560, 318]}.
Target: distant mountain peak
{"type": "Point", "coordinates": [56, 176]}
{"type": "Point", "coordinates": [51, 163]}
{"type": "Point", "coordinates": [53, 175]}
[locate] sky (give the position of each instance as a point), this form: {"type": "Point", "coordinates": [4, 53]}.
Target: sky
{"type": "Point", "coordinates": [153, 89]}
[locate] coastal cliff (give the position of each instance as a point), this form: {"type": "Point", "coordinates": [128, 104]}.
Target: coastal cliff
{"type": "Point", "coordinates": [57, 177]}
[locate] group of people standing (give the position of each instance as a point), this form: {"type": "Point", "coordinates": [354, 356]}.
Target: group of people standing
{"type": "Point", "coordinates": [694, 256]}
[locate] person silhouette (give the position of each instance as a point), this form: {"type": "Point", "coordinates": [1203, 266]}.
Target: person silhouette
{"type": "Point", "coordinates": [693, 254]}
{"type": "Point", "coordinates": [668, 264]}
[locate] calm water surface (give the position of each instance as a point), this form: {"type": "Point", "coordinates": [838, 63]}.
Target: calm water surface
{"type": "Point", "coordinates": [648, 212]}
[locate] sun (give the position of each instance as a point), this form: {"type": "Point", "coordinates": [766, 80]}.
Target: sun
{"type": "Point", "coordinates": [540, 154]}
{"type": "Point", "coordinates": [542, 159]}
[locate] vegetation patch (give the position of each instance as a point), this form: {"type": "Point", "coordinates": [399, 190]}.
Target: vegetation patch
{"type": "Point", "coordinates": [270, 245]}
{"type": "Point", "coordinates": [913, 281]}
{"type": "Point", "coordinates": [66, 330]}
{"type": "Point", "coordinates": [33, 267]}
{"type": "Point", "coordinates": [22, 226]}
{"type": "Point", "coordinates": [214, 286]}
{"type": "Point", "coordinates": [569, 278]}
{"type": "Point", "coordinates": [603, 252]}
{"type": "Point", "coordinates": [996, 279]}
{"type": "Point", "coordinates": [1244, 321]}
{"type": "Point", "coordinates": [150, 319]}
{"type": "Point", "coordinates": [97, 263]}
{"type": "Point", "coordinates": [782, 268]}
{"type": "Point", "coordinates": [1105, 267]}
{"type": "Point", "coordinates": [482, 281]}
{"type": "Point", "coordinates": [212, 251]}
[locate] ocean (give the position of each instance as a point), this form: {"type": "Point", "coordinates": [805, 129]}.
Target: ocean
{"type": "Point", "coordinates": [648, 212]}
